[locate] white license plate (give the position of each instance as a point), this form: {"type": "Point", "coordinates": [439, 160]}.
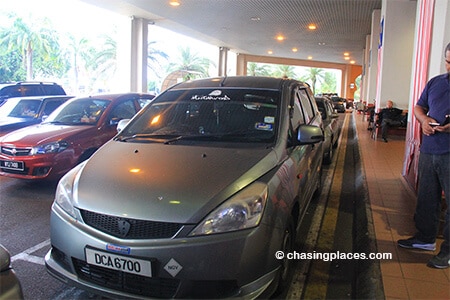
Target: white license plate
{"type": "Point", "coordinates": [12, 165]}
{"type": "Point", "coordinates": [119, 262]}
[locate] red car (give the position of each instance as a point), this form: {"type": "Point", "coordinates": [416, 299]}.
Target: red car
{"type": "Point", "coordinates": [70, 135]}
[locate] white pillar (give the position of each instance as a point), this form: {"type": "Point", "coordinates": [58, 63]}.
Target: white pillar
{"type": "Point", "coordinates": [139, 49]}
{"type": "Point", "coordinates": [371, 80]}
{"type": "Point", "coordinates": [223, 61]}
{"type": "Point", "coordinates": [398, 44]}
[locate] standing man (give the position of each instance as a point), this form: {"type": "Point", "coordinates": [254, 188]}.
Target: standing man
{"type": "Point", "coordinates": [432, 111]}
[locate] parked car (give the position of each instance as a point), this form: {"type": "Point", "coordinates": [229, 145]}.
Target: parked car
{"type": "Point", "coordinates": [29, 88]}
{"type": "Point", "coordinates": [339, 104]}
{"type": "Point", "coordinates": [67, 137]}
{"type": "Point", "coordinates": [10, 287]}
{"type": "Point", "coordinates": [199, 191]}
{"type": "Point", "coordinates": [21, 112]}
{"type": "Point", "coordinates": [331, 127]}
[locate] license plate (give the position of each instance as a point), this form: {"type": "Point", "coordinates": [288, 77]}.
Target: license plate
{"type": "Point", "coordinates": [119, 262]}
{"type": "Point", "coordinates": [12, 165]}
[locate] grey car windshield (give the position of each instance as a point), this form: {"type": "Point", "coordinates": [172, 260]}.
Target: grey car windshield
{"type": "Point", "coordinates": [229, 115]}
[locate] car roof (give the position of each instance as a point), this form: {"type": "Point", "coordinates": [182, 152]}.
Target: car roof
{"type": "Point", "coordinates": [236, 81]}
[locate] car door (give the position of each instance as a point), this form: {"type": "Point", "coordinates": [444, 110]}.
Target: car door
{"type": "Point", "coordinates": [303, 157]}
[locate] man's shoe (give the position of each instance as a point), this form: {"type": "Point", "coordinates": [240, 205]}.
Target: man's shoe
{"type": "Point", "coordinates": [413, 243]}
{"type": "Point", "coordinates": [440, 261]}
{"type": "Point", "coordinates": [385, 140]}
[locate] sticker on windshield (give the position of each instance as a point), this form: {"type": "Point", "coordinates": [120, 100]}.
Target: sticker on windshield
{"type": "Point", "coordinates": [215, 95]}
{"type": "Point", "coordinates": [269, 119]}
{"type": "Point", "coordinates": [264, 126]}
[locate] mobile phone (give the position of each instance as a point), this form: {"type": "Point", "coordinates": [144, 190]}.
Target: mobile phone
{"type": "Point", "coordinates": [433, 124]}
{"type": "Point", "coordinates": [447, 120]}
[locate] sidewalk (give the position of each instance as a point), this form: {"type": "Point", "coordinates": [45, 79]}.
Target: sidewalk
{"type": "Point", "coordinates": [406, 276]}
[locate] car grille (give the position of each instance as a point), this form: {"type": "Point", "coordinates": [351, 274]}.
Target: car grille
{"type": "Point", "coordinates": [130, 228]}
{"type": "Point", "coordinates": [13, 151]}
{"type": "Point", "coordinates": [125, 282]}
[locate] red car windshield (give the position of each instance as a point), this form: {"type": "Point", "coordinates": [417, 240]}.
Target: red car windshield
{"type": "Point", "coordinates": [79, 112]}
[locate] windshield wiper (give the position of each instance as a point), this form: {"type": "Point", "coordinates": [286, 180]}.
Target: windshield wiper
{"type": "Point", "coordinates": [149, 136]}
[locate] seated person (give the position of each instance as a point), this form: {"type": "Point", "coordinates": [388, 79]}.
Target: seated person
{"type": "Point", "coordinates": [389, 117]}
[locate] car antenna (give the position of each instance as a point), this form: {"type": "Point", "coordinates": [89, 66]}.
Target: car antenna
{"type": "Point", "coordinates": [222, 83]}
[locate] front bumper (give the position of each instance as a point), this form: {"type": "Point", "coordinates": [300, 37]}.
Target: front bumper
{"type": "Point", "coordinates": [239, 264]}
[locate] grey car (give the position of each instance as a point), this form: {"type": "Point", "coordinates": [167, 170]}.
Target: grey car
{"type": "Point", "coordinates": [10, 287]}
{"type": "Point", "coordinates": [195, 195]}
{"type": "Point", "coordinates": [331, 126]}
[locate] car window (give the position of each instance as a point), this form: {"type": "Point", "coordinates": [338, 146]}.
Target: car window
{"type": "Point", "coordinates": [307, 105]}
{"type": "Point", "coordinates": [236, 115]}
{"type": "Point", "coordinates": [298, 117]}
{"type": "Point", "coordinates": [124, 110]}
{"type": "Point", "coordinates": [144, 101]}
{"type": "Point", "coordinates": [25, 109]}
{"type": "Point", "coordinates": [50, 106]}
{"type": "Point", "coordinates": [78, 112]}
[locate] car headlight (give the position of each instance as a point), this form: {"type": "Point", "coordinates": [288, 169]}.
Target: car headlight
{"type": "Point", "coordinates": [65, 190]}
{"type": "Point", "coordinates": [242, 211]}
{"type": "Point", "coordinates": [53, 147]}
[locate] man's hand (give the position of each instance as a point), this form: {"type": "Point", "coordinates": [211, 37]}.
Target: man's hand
{"type": "Point", "coordinates": [445, 128]}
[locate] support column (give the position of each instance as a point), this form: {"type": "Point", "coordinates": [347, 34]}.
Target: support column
{"type": "Point", "coordinates": [398, 19]}
{"type": "Point", "coordinates": [223, 61]}
{"type": "Point", "coordinates": [139, 50]}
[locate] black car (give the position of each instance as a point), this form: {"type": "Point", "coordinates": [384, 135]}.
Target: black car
{"type": "Point", "coordinates": [339, 104]}
{"type": "Point", "coordinates": [21, 112]}
{"type": "Point", "coordinates": [29, 88]}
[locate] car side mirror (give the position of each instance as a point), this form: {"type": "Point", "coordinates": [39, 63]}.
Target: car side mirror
{"type": "Point", "coordinates": [309, 134]}
{"type": "Point", "coordinates": [122, 123]}
{"type": "Point", "coordinates": [5, 259]}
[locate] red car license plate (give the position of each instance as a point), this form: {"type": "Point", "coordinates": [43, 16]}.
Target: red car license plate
{"type": "Point", "coordinates": [12, 165]}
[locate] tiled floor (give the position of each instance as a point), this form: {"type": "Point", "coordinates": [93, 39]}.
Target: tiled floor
{"type": "Point", "coordinates": [406, 276]}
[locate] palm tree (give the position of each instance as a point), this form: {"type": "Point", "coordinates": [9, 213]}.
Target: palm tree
{"type": "Point", "coordinates": [255, 69]}
{"type": "Point", "coordinates": [284, 71]}
{"type": "Point", "coordinates": [154, 56]}
{"type": "Point", "coordinates": [314, 76]}
{"type": "Point", "coordinates": [30, 40]}
{"type": "Point", "coordinates": [194, 65]}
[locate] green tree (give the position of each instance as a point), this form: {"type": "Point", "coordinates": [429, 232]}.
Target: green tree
{"type": "Point", "coordinates": [255, 69]}
{"type": "Point", "coordinates": [104, 61]}
{"type": "Point", "coordinates": [33, 41]}
{"type": "Point", "coordinates": [154, 57]}
{"type": "Point", "coordinates": [194, 65]}
{"type": "Point", "coordinates": [284, 71]}
{"type": "Point", "coordinates": [328, 84]}
{"type": "Point", "coordinates": [314, 76]}
{"type": "Point", "coordinates": [10, 66]}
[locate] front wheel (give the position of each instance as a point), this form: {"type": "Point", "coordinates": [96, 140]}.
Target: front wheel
{"type": "Point", "coordinates": [286, 268]}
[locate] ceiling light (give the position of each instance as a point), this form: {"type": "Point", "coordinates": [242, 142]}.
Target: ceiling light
{"type": "Point", "coordinates": [321, 44]}
{"type": "Point", "coordinates": [310, 57]}
{"type": "Point", "coordinates": [352, 62]}
{"type": "Point", "coordinates": [347, 58]}
{"type": "Point", "coordinates": [270, 52]}
{"type": "Point", "coordinates": [294, 49]}
{"type": "Point", "coordinates": [346, 54]}
{"type": "Point", "coordinates": [255, 19]}
{"type": "Point", "coordinates": [174, 3]}
{"type": "Point", "coordinates": [312, 26]}
{"type": "Point", "coordinates": [280, 38]}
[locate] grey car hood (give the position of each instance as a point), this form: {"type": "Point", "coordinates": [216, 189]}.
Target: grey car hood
{"type": "Point", "coordinates": [169, 183]}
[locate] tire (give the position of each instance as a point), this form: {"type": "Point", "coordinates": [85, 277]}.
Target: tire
{"type": "Point", "coordinates": [329, 156]}
{"type": "Point", "coordinates": [286, 267]}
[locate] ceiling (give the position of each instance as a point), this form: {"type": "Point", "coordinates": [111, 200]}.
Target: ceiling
{"type": "Point", "coordinates": [251, 26]}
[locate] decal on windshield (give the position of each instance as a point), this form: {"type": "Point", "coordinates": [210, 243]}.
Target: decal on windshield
{"type": "Point", "coordinates": [215, 95]}
{"type": "Point", "coordinates": [269, 119]}
{"type": "Point", "coordinates": [264, 126]}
